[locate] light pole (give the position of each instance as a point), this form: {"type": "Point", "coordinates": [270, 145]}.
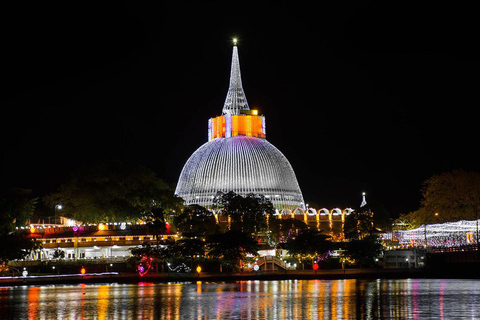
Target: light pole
{"type": "Point", "coordinates": [57, 207]}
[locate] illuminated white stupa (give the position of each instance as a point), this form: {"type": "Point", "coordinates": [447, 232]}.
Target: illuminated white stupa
{"type": "Point", "coordinates": [237, 157]}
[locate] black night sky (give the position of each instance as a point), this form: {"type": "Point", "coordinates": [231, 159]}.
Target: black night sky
{"type": "Point", "coordinates": [358, 95]}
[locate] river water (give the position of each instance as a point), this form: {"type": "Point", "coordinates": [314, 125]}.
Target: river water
{"type": "Point", "coordinates": [284, 299]}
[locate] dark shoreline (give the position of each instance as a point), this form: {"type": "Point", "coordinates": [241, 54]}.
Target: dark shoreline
{"type": "Point", "coordinates": [132, 278]}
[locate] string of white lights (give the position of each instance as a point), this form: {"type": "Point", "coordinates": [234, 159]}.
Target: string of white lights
{"type": "Point", "coordinates": [449, 234]}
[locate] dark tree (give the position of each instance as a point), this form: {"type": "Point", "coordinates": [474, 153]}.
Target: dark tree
{"type": "Point", "coordinates": [281, 230]}
{"type": "Point", "coordinates": [16, 208]}
{"type": "Point", "coordinates": [359, 224]}
{"type": "Point", "coordinates": [188, 248]}
{"type": "Point", "coordinates": [156, 222]}
{"type": "Point", "coordinates": [16, 246]}
{"type": "Point", "coordinates": [111, 191]}
{"type": "Point", "coordinates": [248, 214]}
{"type": "Point", "coordinates": [450, 196]}
{"type": "Point", "coordinates": [365, 250]}
{"type": "Point", "coordinates": [308, 244]}
{"type": "Point", "coordinates": [195, 220]}
{"type": "Point", "coordinates": [155, 254]}
{"type": "Point", "coordinates": [231, 247]}
{"type": "Point", "coordinates": [256, 208]}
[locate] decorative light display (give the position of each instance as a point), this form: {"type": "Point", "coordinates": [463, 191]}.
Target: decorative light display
{"type": "Point", "coordinates": [442, 235]}
{"type": "Point", "coordinates": [145, 265]}
{"type": "Point", "coordinates": [83, 270]}
{"type": "Point", "coordinates": [238, 158]}
{"type": "Point", "coordinates": [180, 268]}
{"type": "Point", "coordinates": [236, 125]}
{"type": "Point", "coordinates": [324, 256]}
{"type": "Point", "coordinates": [315, 266]}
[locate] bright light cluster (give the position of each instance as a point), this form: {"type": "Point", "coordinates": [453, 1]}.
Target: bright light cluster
{"type": "Point", "coordinates": [233, 125]}
{"type": "Point", "coordinates": [442, 235]}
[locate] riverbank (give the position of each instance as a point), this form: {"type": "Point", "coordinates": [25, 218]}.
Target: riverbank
{"type": "Point", "coordinates": [113, 277]}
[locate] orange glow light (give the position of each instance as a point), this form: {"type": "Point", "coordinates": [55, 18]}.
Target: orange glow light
{"type": "Point", "coordinates": [32, 230]}
{"type": "Point", "coordinates": [243, 125]}
{"type": "Point", "coordinates": [83, 270]}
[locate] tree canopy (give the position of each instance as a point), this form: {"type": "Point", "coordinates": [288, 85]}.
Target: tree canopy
{"type": "Point", "coordinates": [359, 224]}
{"type": "Point", "coordinates": [109, 190]}
{"type": "Point", "coordinates": [281, 230]}
{"type": "Point", "coordinates": [308, 243]}
{"type": "Point", "coordinates": [364, 250]}
{"type": "Point", "coordinates": [231, 247]}
{"type": "Point", "coordinates": [248, 214]}
{"type": "Point", "coordinates": [449, 196]}
{"type": "Point", "coordinates": [195, 220]}
{"type": "Point", "coordinates": [16, 208]}
{"type": "Point", "coordinates": [16, 246]}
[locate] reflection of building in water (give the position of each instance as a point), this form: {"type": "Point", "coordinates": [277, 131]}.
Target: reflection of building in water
{"type": "Point", "coordinates": [285, 299]}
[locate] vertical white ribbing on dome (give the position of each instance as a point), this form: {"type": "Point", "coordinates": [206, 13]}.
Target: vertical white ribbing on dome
{"type": "Point", "coordinates": [236, 99]}
{"type": "Point", "coordinates": [243, 165]}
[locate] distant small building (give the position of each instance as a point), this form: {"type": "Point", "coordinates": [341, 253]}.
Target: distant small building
{"type": "Point", "coordinates": [406, 258]}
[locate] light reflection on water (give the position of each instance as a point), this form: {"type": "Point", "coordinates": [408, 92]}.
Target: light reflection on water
{"type": "Point", "coordinates": [285, 299]}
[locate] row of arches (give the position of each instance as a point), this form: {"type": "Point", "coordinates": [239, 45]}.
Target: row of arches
{"type": "Point", "coordinates": [314, 212]}
{"type": "Point", "coordinates": [308, 215]}
{"type": "Point", "coordinates": [308, 212]}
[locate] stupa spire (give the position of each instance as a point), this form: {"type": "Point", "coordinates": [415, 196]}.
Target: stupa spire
{"type": "Point", "coordinates": [364, 201]}
{"type": "Point", "coordinates": [236, 99]}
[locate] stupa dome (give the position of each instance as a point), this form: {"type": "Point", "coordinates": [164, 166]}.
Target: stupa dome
{"type": "Point", "coordinates": [238, 158]}
{"type": "Point", "coordinates": [243, 165]}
